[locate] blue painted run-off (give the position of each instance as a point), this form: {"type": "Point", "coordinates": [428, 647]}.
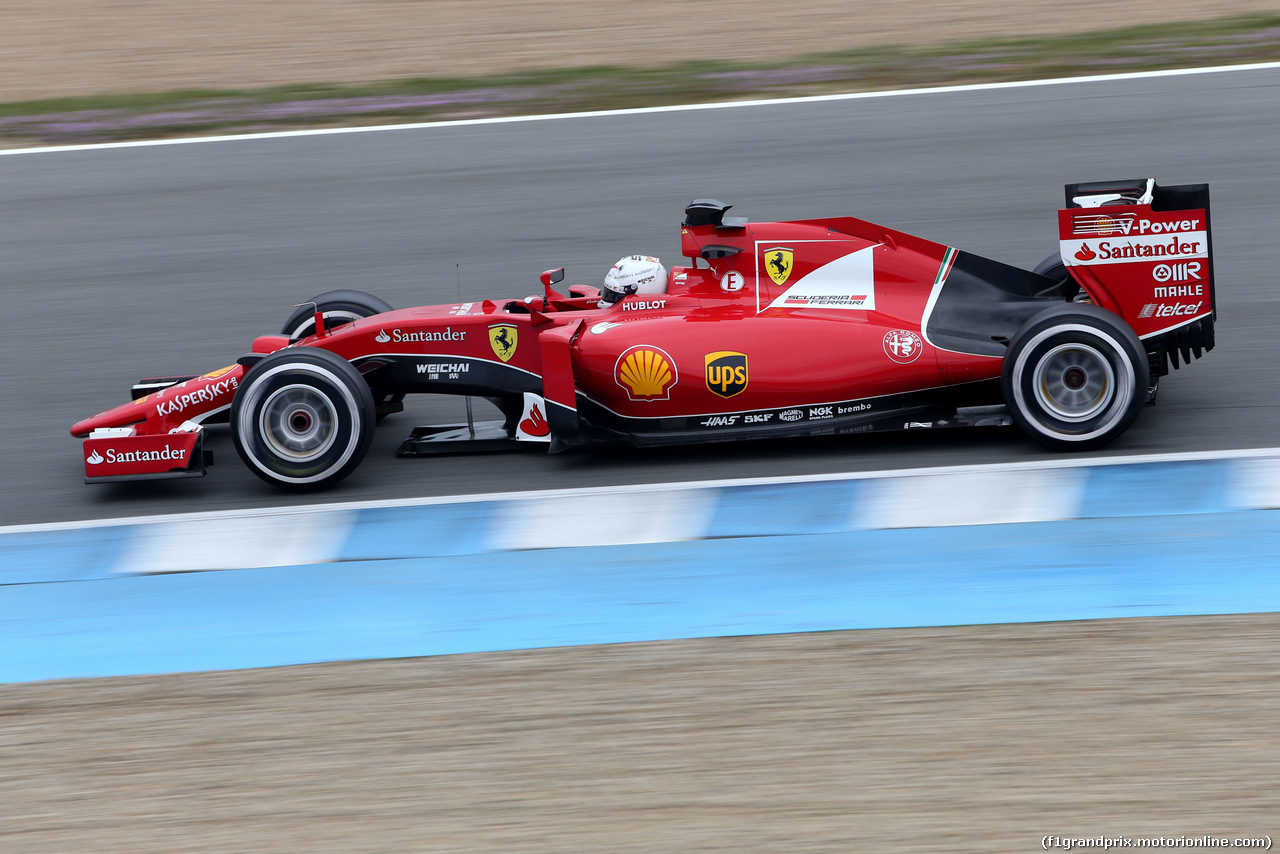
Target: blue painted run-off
{"type": "Point", "coordinates": [308, 585]}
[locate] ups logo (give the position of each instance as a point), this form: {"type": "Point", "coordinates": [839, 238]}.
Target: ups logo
{"type": "Point", "coordinates": [726, 373]}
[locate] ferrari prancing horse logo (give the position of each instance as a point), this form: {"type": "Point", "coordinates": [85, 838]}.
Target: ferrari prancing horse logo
{"type": "Point", "coordinates": [778, 263]}
{"type": "Point", "coordinates": [503, 338]}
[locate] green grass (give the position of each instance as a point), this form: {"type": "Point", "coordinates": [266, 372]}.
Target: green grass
{"type": "Point", "coordinates": [192, 113]}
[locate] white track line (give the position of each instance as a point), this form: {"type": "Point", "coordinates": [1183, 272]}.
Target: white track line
{"type": "Point", "coordinates": [597, 491]}
{"type": "Point", "coordinates": [719, 105]}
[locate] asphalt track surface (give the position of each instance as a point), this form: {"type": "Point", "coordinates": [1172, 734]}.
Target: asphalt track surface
{"type": "Point", "coordinates": [121, 263]}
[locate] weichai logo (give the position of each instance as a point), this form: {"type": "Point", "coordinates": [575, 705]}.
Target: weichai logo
{"type": "Point", "coordinates": [726, 373]}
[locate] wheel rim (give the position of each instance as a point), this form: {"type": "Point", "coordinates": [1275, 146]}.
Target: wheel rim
{"type": "Point", "coordinates": [1074, 382]}
{"type": "Point", "coordinates": [298, 423]}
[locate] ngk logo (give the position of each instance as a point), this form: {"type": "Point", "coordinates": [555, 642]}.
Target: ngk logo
{"type": "Point", "coordinates": [1183, 272]}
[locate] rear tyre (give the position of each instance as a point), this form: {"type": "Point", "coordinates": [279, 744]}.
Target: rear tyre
{"type": "Point", "coordinates": [1053, 268]}
{"type": "Point", "coordinates": [337, 307]}
{"type": "Point", "coordinates": [302, 419]}
{"type": "Point", "coordinates": [1075, 377]}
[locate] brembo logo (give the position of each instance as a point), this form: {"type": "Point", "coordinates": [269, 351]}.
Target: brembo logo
{"type": "Point", "coordinates": [114, 456]}
{"type": "Point", "coordinates": [401, 337]}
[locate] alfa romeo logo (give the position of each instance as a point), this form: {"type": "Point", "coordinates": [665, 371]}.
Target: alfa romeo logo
{"type": "Point", "coordinates": [902, 345]}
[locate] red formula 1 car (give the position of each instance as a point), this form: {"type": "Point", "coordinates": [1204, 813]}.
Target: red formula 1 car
{"type": "Point", "coordinates": [773, 329]}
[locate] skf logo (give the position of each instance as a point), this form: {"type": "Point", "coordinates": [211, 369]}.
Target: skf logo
{"type": "Point", "coordinates": [647, 373]}
{"type": "Point", "coordinates": [726, 373]}
{"type": "Point", "coordinates": [503, 338]}
{"type": "Point", "coordinates": [779, 261]}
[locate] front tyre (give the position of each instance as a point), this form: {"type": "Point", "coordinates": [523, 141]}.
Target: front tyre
{"type": "Point", "coordinates": [302, 419]}
{"type": "Point", "coordinates": [1075, 377]}
{"type": "Point", "coordinates": [337, 308]}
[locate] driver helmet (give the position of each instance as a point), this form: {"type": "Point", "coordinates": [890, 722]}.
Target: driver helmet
{"type": "Point", "coordinates": [634, 274]}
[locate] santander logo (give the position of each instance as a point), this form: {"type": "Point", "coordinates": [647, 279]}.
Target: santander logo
{"type": "Point", "coordinates": [94, 458]}
{"type": "Point", "coordinates": [535, 424]}
{"type": "Point", "coordinates": [382, 337]}
{"type": "Point", "coordinates": [1085, 253]}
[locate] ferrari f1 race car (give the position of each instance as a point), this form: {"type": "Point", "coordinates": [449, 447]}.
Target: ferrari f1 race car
{"type": "Point", "coordinates": [813, 327]}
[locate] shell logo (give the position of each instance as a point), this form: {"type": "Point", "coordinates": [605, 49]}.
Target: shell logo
{"type": "Point", "coordinates": [221, 372]}
{"type": "Point", "coordinates": [647, 373]}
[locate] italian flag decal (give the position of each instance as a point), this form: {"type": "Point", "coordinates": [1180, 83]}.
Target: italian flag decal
{"type": "Point", "coordinates": [945, 269]}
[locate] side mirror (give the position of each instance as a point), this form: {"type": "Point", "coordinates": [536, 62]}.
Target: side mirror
{"type": "Point", "coordinates": [552, 277]}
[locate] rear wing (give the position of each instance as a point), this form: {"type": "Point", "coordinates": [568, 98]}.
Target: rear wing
{"type": "Point", "coordinates": [1144, 252]}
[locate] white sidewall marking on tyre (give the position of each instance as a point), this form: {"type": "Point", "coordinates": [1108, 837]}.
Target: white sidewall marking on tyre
{"type": "Point", "coordinates": [1125, 380]}
{"type": "Point", "coordinates": [255, 394]}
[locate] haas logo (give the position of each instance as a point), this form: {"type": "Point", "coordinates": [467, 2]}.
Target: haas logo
{"type": "Point", "coordinates": [382, 337]}
{"type": "Point", "coordinates": [1085, 253]}
{"type": "Point", "coordinates": [535, 424]}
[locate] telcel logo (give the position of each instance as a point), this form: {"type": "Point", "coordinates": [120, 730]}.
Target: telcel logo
{"type": "Point", "coordinates": [1176, 310]}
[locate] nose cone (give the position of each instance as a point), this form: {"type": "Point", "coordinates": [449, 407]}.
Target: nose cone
{"type": "Point", "coordinates": [120, 416]}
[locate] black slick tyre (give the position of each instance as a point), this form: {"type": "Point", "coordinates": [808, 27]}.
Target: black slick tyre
{"type": "Point", "coordinates": [302, 419]}
{"type": "Point", "coordinates": [1075, 377]}
{"type": "Point", "coordinates": [337, 308]}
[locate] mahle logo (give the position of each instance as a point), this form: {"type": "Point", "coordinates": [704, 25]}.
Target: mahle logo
{"type": "Point", "coordinates": [726, 373]}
